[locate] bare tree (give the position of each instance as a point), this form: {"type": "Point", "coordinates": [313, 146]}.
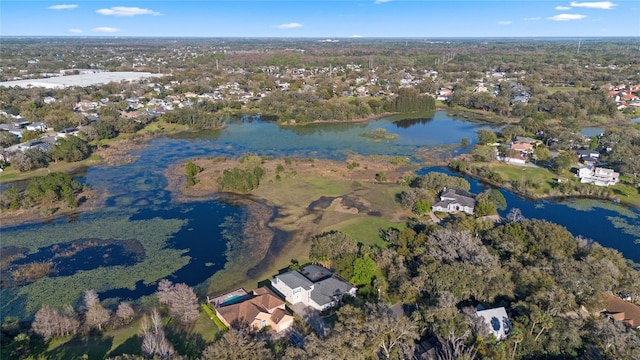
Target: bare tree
{"type": "Point", "coordinates": [453, 348]}
{"type": "Point", "coordinates": [69, 323]}
{"type": "Point", "coordinates": [181, 300]}
{"type": "Point", "coordinates": [50, 323]}
{"type": "Point", "coordinates": [90, 299]}
{"type": "Point", "coordinates": [515, 215]}
{"type": "Point", "coordinates": [124, 313]}
{"type": "Point", "coordinates": [391, 334]}
{"type": "Point", "coordinates": [45, 323]}
{"type": "Point", "coordinates": [164, 291]}
{"type": "Point", "coordinates": [154, 341]}
{"type": "Point", "coordinates": [95, 315]}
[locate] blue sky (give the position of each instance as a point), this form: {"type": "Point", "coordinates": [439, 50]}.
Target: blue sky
{"type": "Point", "coordinates": [321, 19]}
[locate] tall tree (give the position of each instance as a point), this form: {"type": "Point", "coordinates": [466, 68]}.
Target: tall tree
{"type": "Point", "coordinates": [95, 315]}
{"type": "Point", "coordinates": [154, 341]}
{"type": "Point", "coordinates": [180, 299]}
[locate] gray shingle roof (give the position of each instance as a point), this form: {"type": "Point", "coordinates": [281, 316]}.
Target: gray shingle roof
{"type": "Point", "coordinates": [324, 291]}
{"type": "Point", "coordinates": [294, 279]}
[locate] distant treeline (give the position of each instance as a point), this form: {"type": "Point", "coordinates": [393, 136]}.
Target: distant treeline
{"type": "Point", "coordinates": [305, 107]}
{"type": "Point", "coordinates": [201, 116]}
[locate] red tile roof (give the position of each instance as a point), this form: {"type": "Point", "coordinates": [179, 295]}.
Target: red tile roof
{"type": "Point", "coordinates": [624, 311]}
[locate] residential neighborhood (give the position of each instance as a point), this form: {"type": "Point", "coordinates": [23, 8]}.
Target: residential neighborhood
{"type": "Point", "coordinates": [320, 198]}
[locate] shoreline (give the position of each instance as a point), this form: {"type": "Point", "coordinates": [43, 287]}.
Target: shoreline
{"type": "Point", "coordinates": [548, 196]}
{"type": "Point", "coordinates": [32, 215]}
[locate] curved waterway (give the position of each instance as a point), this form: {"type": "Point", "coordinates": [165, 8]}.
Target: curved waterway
{"type": "Point", "coordinates": [186, 242]}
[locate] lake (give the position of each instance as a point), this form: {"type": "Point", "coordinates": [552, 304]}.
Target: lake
{"type": "Point", "coordinates": [186, 242]}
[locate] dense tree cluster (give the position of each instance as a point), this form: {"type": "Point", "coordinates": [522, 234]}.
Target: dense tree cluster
{"type": "Point", "coordinates": [410, 100]}
{"type": "Point", "coordinates": [192, 170]}
{"type": "Point", "coordinates": [200, 116]}
{"type": "Point", "coordinates": [241, 180]}
{"type": "Point", "coordinates": [48, 190]}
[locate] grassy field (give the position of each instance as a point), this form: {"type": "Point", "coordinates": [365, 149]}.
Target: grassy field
{"type": "Point", "coordinates": [367, 230]}
{"type": "Point", "coordinates": [540, 176]}
{"type": "Point", "coordinates": [125, 340]}
{"type": "Point", "coordinates": [11, 174]}
{"type": "Point", "coordinates": [625, 191]}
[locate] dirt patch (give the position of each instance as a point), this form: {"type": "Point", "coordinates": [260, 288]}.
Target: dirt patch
{"type": "Point", "coordinates": [119, 152]}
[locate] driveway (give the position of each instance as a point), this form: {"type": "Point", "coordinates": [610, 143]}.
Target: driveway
{"type": "Point", "coordinates": [312, 317]}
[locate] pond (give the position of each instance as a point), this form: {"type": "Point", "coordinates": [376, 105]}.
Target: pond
{"type": "Point", "coordinates": [187, 242]}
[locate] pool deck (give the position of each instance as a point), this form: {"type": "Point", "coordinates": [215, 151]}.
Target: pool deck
{"type": "Point", "coordinates": [228, 298]}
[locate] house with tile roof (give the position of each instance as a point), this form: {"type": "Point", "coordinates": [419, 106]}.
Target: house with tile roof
{"type": "Point", "coordinates": [256, 312]}
{"type": "Point", "coordinates": [621, 310]}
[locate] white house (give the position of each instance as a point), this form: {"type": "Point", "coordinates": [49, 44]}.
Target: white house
{"type": "Point", "coordinates": [318, 287]}
{"type": "Point", "coordinates": [598, 176]}
{"type": "Point", "coordinates": [453, 201]}
{"type": "Point", "coordinates": [38, 126]}
{"type": "Point", "coordinates": [497, 321]}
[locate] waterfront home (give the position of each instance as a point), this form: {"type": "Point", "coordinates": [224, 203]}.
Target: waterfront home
{"type": "Point", "coordinates": [314, 286]}
{"type": "Point", "coordinates": [598, 176]}
{"type": "Point", "coordinates": [256, 311]}
{"type": "Point", "coordinates": [454, 201]}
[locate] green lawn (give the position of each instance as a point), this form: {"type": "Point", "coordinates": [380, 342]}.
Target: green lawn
{"type": "Point", "coordinates": [111, 343]}
{"type": "Point", "coordinates": [541, 176]}
{"type": "Point", "coordinates": [188, 340]}
{"type": "Point", "coordinates": [366, 230]}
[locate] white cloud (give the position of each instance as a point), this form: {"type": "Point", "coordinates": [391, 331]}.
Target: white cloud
{"type": "Point", "coordinates": [563, 7]}
{"type": "Point", "coordinates": [292, 25]}
{"type": "Point", "coordinates": [567, 17]}
{"type": "Point", "coordinates": [126, 11]}
{"type": "Point", "coordinates": [606, 5]}
{"type": "Point", "coordinates": [356, 36]}
{"type": "Point", "coordinates": [62, 7]}
{"type": "Point", "coordinates": [381, 1]}
{"type": "Point", "coordinates": [505, 22]}
{"type": "Point", "coordinates": [74, 31]}
{"type": "Point", "coordinates": [531, 18]}
{"type": "Point", "coordinates": [105, 29]}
